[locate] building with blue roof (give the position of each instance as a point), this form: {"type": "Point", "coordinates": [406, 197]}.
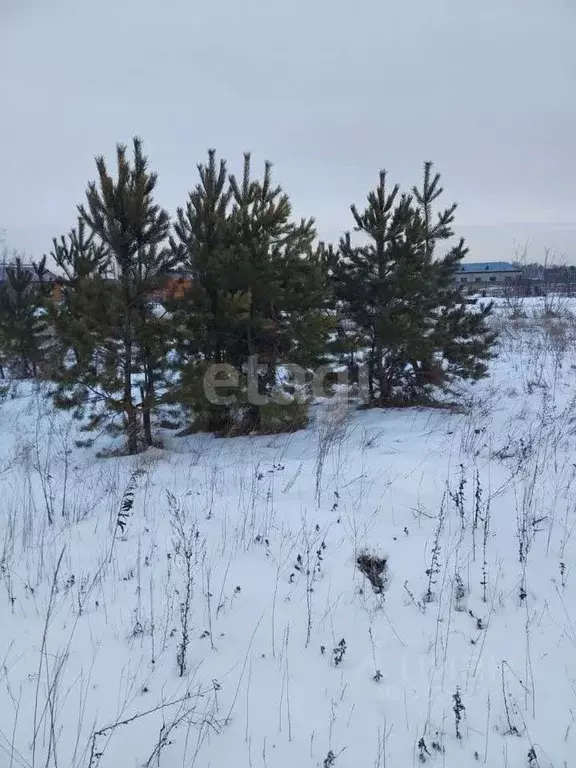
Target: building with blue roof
{"type": "Point", "coordinates": [479, 275]}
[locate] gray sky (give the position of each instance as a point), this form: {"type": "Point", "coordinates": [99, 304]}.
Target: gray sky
{"type": "Point", "coordinates": [329, 90]}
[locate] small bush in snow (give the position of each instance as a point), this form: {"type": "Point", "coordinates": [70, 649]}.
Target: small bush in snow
{"type": "Point", "coordinates": [423, 753]}
{"type": "Point", "coordinates": [458, 710]}
{"type": "Point", "coordinates": [460, 593]}
{"type": "Point", "coordinates": [375, 569]}
{"type": "Point", "coordinates": [339, 652]}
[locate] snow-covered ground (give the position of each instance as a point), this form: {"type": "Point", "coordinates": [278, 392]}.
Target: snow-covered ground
{"type": "Point", "coordinates": [226, 622]}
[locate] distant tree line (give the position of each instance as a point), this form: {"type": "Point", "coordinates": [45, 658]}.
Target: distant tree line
{"type": "Point", "coordinates": [263, 295]}
{"type": "Point", "coordinates": [548, 272]}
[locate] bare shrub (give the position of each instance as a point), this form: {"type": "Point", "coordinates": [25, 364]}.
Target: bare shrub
{"type": "Point", "coordinates": [332, 425]}
{"type": "Point", "coordinates": [187, 548]}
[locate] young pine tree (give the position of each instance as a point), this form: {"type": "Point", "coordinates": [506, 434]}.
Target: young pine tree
{"type": "Point", "coordinates": [259, 289]}
{"type": "Point", "coordinates": [284, 275]}
{"type": "Point", "coordinates": [23, 326]}
{"type": "Point", "coordinates": [401, 295]}
{"type": "Point", "coordinates": [207, 316]}
{"type": "Point", "coordinates": [77, 318]}
{"type": "Point", "coordinates": [121, 339]}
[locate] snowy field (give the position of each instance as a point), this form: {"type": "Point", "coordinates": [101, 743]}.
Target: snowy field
{"type": "Point", "coordinates": [225, 622]}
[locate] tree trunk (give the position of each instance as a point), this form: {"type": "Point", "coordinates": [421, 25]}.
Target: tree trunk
{"type": "Point", "coordinates": [132, 431]}
{"type": "Point", "coordinates": [252, 416]}
{"type": "Point", "coordinates": [371, 375]}
{"type": "Point", "coordinates": [147, 400]}
{"type": "Point", "coordinates": [131, 415]}
{"type": "Point", "coordinates": [269, 382]}
{"type": "Point", "coordinates": [129, 409]}
{"type": "Point", "coordinates": [382, 375]}
{"type": "Point", "coordinates": [148, 390]}
{"type": "Point", "coordinates": [147, 424]}
{"type": "Point", "coordinates": [384, 385]}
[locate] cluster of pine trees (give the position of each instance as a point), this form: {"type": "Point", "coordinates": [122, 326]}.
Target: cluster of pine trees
{"type": "Point", "coordinates": [264, 295]}
{"type": "Point", "coordinates": [22, 324]}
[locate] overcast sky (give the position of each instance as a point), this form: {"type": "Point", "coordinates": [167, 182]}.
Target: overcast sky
{"type": "Point", "coordinates": [329, 90]}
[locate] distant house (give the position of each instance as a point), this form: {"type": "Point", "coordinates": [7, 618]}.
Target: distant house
{"type": "Point", "coordinates": [484, 274]}
{"type": "Point", "coordinates": [50, 279]}
{"type": "Point", "coordinates": [174, 286]}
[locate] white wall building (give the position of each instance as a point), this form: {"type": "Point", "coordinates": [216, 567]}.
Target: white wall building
{"type": "Point", "coordinates": [482, 275]}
